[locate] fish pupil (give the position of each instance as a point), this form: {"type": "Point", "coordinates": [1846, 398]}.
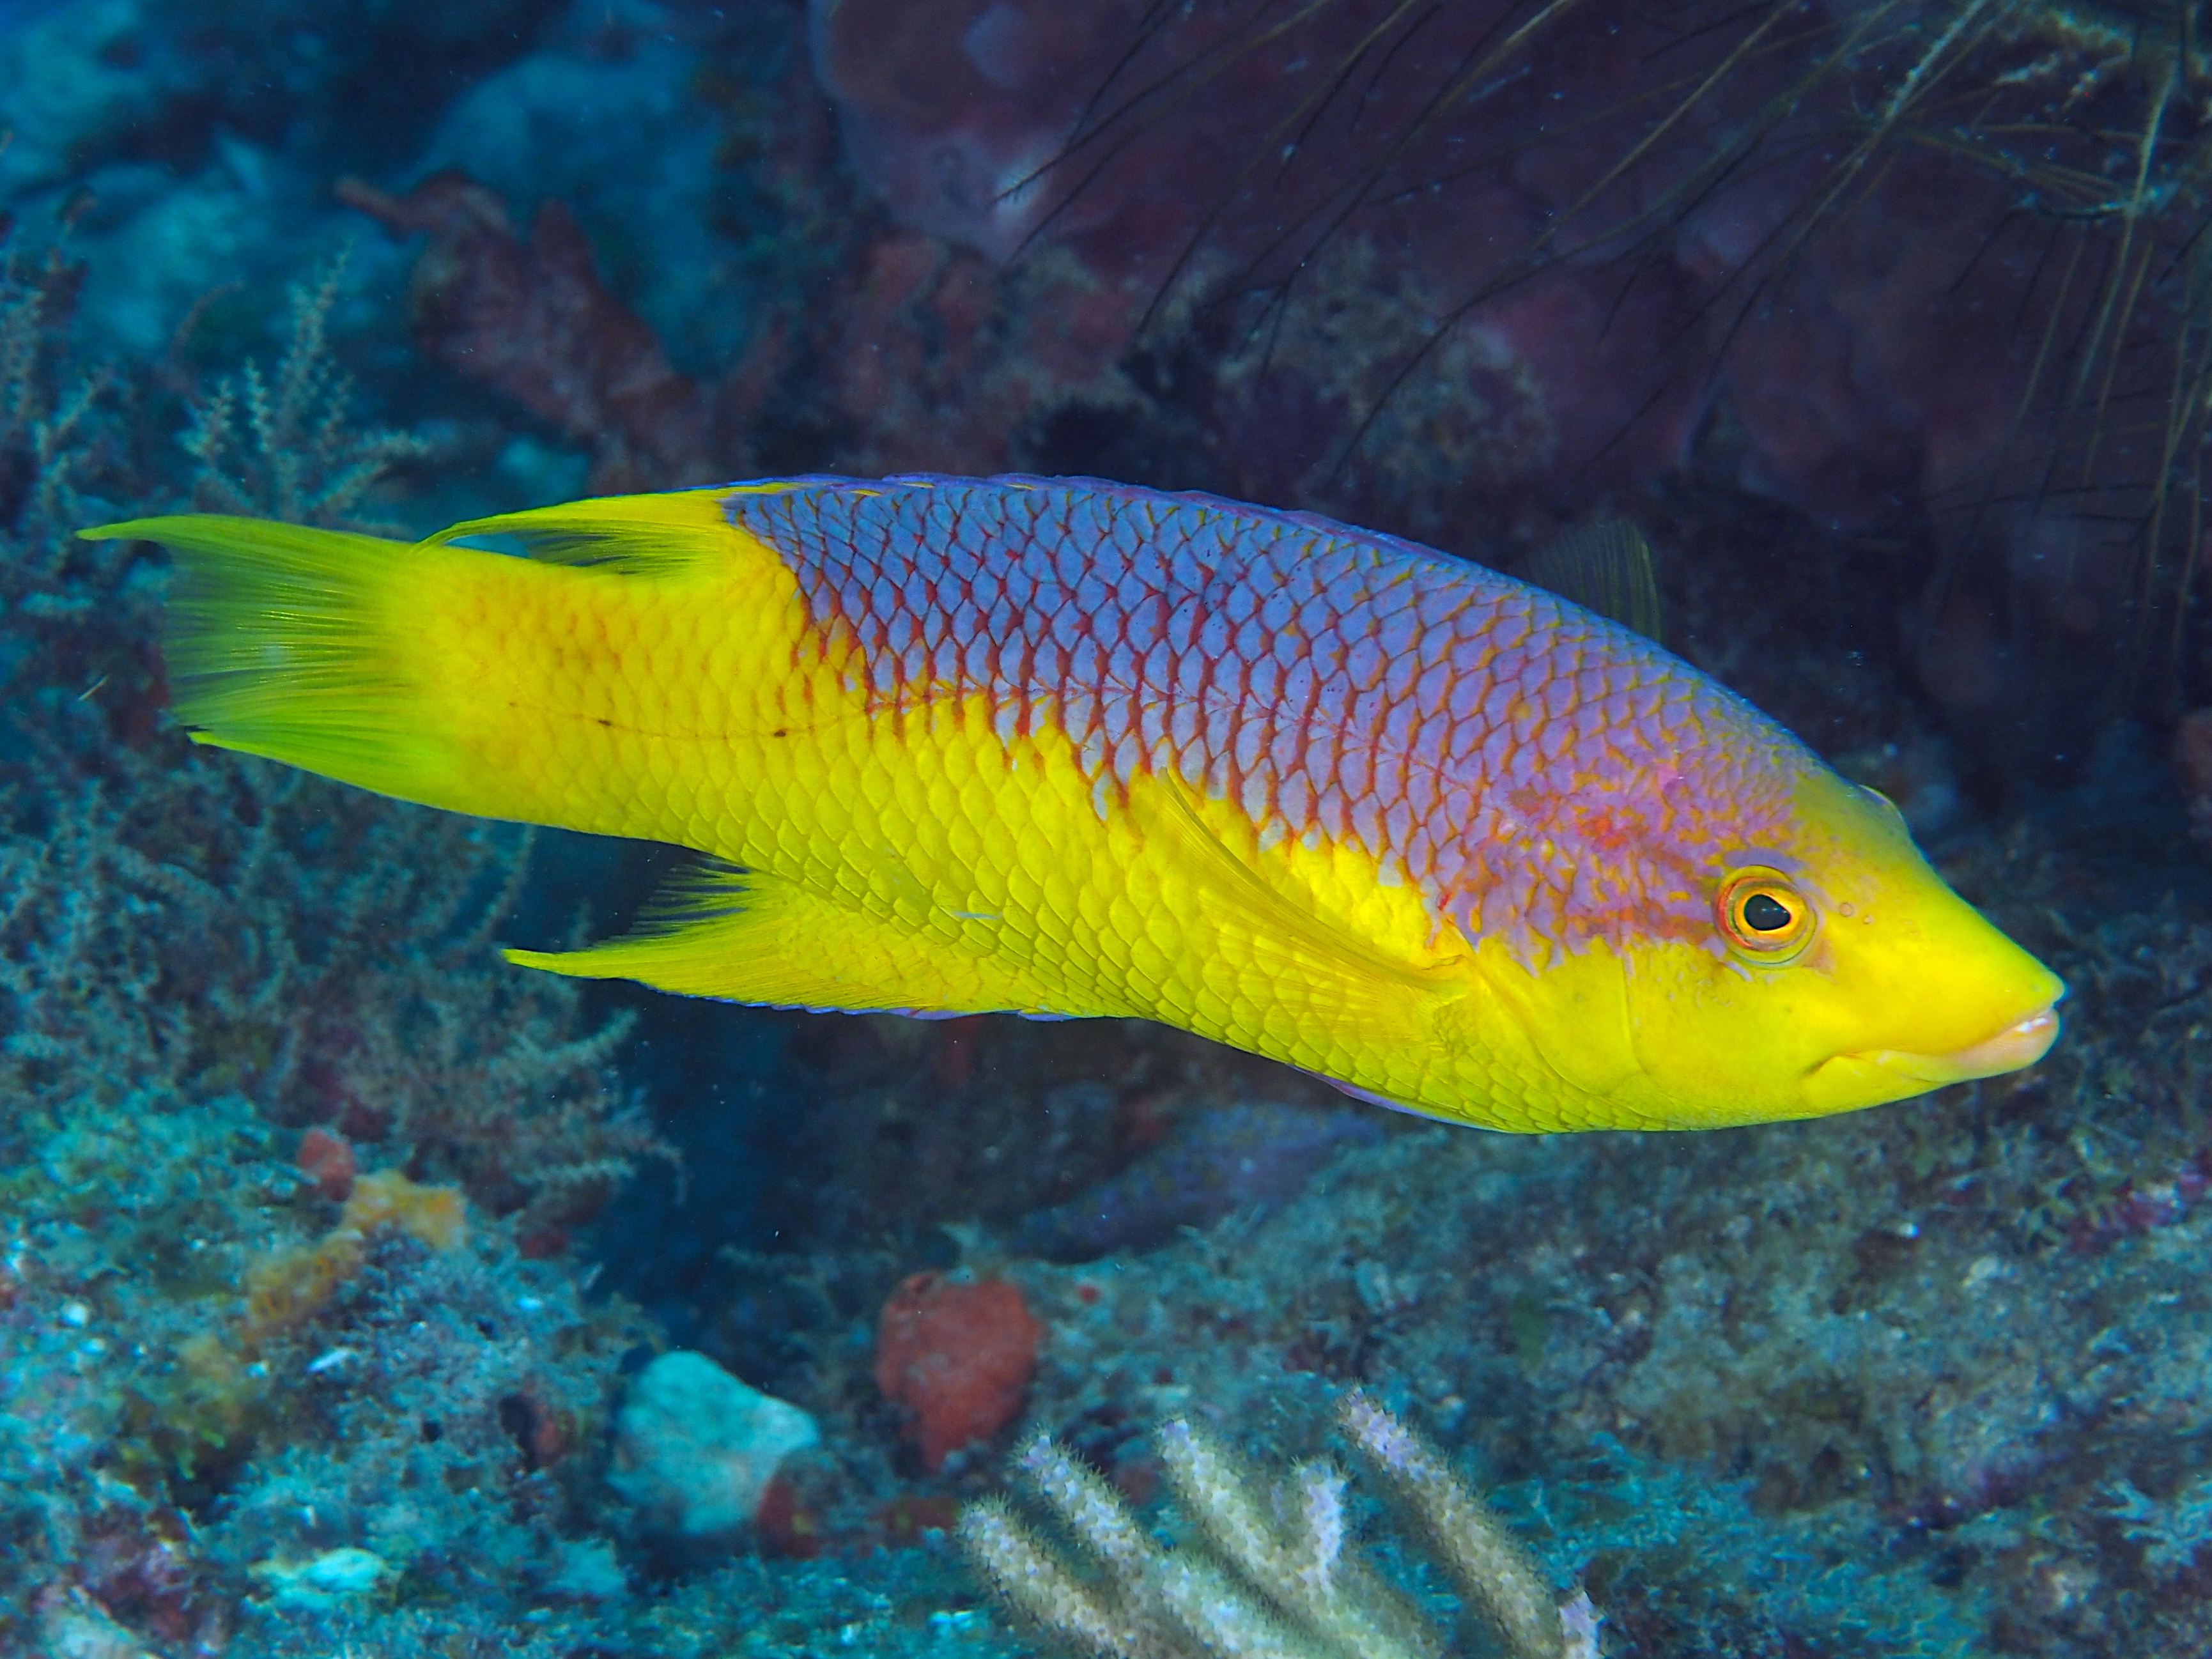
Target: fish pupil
{"type": "Point", "coordinates": [1764, 914]}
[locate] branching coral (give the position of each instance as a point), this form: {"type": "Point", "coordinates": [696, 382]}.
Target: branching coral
{"type": "Point", "coordinates": [187, 942]}
{"type": "Point", "coordinates": [1277, 1574]}
{"type": "Point", "coordinates": [199, 956]}
{"type": "Point", "coordinates": [63, 429]}
{"type": "Point", "coordinates": [42, 435]}
{"type": "Point", "coordinates": [285, 446]}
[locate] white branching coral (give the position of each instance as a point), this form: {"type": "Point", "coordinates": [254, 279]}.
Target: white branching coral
{"type": "Point", "coordinates": [1278, 1574]}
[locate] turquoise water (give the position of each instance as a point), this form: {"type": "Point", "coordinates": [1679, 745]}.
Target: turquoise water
{"type": "Point", "coordinates": [334, 1251]}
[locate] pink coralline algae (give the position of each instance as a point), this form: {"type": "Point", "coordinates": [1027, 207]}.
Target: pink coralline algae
{"type": "Point", "coordinates": [2192, 761]}
{"type": "Point", "coordinates": [327, 1158]}
{"type": "Point", "coordinates": [1561, 257]}
{"type": "Point", "coordinates": [956, 112]}
{"type": "Point", "coordinates": [529, 316]}
{"type": "Point", "coordinates": [958, 1355]}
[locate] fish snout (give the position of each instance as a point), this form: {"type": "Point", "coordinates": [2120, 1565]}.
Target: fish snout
{"type": "Point", "coordinates": [2020, 1044]}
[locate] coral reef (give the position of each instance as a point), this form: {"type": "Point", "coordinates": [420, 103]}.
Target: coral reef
{"type": "Point", "coordinates": [1207, 1166]}
{"type": "Point", "coordinates": [1928, 1381]}
{"type": "Point", "coordinates": [283, 445]}
{"type": "Point", "coordinates": [1277, 1572]}
{"type": "Point", "coordinates": [532, 319]}
{"type": "Point", "coordinates": [203, 1343]}
{"type": "Point", "coordinates": [696, 1449]}
{"type": "Point", "coordinates": [957, 1355]}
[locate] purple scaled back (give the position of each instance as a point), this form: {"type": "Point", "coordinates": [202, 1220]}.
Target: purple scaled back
{"type": "Point", "coordinates": [1540, 774]}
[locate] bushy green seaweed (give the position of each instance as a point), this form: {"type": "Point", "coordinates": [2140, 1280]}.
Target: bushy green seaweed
{"type": "Point", "coordinates": [199, 957]}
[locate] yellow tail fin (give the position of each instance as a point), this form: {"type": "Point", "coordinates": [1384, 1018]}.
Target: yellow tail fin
{"type": "Point", "coordinates": [455, 676]}
{"type": "Point", "coordinates": [290, 643]}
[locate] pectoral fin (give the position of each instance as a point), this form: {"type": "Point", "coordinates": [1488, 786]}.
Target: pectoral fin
{"type": "Point", "coordinates": [1311, 969]}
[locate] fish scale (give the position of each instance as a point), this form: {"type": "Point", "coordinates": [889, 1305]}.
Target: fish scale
{"type": "Point", "coordinates": [1296, 726]}
{"type": "Point", "coordinates": [1067, 748]}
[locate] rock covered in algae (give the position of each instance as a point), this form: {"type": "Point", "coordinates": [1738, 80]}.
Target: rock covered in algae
{"type": "Point", "coordinates": [696, 1449]}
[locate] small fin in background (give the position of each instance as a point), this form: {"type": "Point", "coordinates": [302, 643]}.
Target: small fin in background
{"type": "Point", "coordinates": [1369, 1098]}
{"type": "Point", "coordinates": [1604, 566]}
{"type": "Point", "coordinates": [635, 534]}
{"type": "Point", "coordinates": [713, 930]}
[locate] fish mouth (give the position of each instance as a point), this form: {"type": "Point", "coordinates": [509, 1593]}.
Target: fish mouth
{"type": "Point", "coordinates": [2020, 1044]}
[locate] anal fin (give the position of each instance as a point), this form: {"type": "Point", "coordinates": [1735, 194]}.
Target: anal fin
{"type": "Point", "coordinates": [741, 936]}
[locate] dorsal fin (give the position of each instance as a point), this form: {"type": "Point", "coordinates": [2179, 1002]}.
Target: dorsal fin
{"type": "Point", "coordinates": [1604, 566]}
{"type": "Point", "coordinates": [635, 534]}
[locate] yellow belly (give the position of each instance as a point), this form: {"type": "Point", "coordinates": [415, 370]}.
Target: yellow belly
{"type": "Point", "coordinates": [929, 854]}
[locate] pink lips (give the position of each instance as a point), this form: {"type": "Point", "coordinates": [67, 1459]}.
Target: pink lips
{"type": "Point", "coordinates": [2021, 1043]}
{"type": "Point", "coordinates": [2016, 1046]}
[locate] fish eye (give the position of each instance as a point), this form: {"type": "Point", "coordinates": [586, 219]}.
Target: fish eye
{"type": "Point", "coordinates": [1763, 916]}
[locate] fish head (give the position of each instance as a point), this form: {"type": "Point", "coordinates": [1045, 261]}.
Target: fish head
{"type": "Point", "coordinates": [1836, 971]}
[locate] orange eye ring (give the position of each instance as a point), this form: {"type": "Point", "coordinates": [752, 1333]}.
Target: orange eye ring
{"type": "Point", "coordinates": [1763, 916]}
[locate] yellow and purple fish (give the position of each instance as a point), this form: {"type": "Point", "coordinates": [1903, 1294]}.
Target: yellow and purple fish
{"type": "Point", "coordinates": [1065, 748]}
